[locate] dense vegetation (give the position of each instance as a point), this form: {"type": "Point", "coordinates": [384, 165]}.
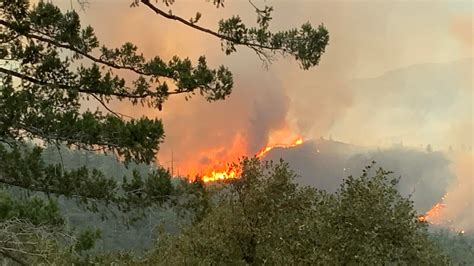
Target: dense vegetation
{"type": "Point", "coordinates": [55, 185]}
{"type": "Point", "coordinates": [262, 217]}
{"type": "Point", "coordinates": [458, 246]}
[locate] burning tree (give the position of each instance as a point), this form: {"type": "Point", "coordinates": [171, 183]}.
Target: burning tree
{"type": "Point", "coordinates": [51, 65]}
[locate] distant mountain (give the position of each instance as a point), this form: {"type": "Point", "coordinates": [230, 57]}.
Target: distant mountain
{"type": "Point", "coordinates": [324, 164]}
{"type": "Point", "coordinates": [420, 104]}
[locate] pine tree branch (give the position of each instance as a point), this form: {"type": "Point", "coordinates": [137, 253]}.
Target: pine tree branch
{"type": "Point", "coordinates": [56, 192]}
{"type": "Point", "coordinates": [88, 91]}
{"type": "Point", "coordinates": [117, 114]}
{"type": "Point", "coordinates": [97, 60]}
{"type": "Point", "coordinates": [74, 49]}
{"type": "Point", "coordinates": [76, 139]}
{"type": "Point", "coordinates": [252, 45]}
{"type": "Point", "coordinates": [67, 87]}
{"type": "Point", "coordinates": [306, 44]}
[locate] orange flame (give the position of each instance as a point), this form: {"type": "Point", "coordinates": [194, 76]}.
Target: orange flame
{"type": "Point", "coordinates": [213, 175]}
{"type": "Point", "coordinates": [432, 214]}
{"type": "Point", "coordinates": [219, 176]}
{"type": "Point", "coordinates": [267, 149]}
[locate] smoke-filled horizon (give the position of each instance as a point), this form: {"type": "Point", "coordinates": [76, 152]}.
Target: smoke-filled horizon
{"type": "Point", "coordinates": [394, 72]}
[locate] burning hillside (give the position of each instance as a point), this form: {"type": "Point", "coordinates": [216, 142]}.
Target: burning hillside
{"type": "Point", "coordinates": [433, 214]}
{"type": "Point", "coordinates": [218, 175]}
{"type": "Point", "coordinates": [267, 149]}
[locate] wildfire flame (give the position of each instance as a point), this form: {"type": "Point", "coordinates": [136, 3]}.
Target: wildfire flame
{"type": "Point", "coordinates": [213, 175]}
{"type": "Point", "coordinates": [219, 176]}
{"type": "Point", "coordinates": [435, 216]}
{"type": "Point", "coordinates": [267, 149]}
{"type": "Point", "coordinates": [432, 213]}
{"type": "Point", "coordinates": [435, 211]}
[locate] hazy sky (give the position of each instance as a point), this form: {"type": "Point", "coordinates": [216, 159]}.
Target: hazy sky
{"type": "Point", "coordinates": [354, 95]}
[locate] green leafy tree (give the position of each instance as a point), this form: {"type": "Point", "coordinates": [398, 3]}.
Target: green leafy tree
{"type": "Point", "coordinates": [265, 218]}
{"type": "Point", "coordinates": [50, 63]}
